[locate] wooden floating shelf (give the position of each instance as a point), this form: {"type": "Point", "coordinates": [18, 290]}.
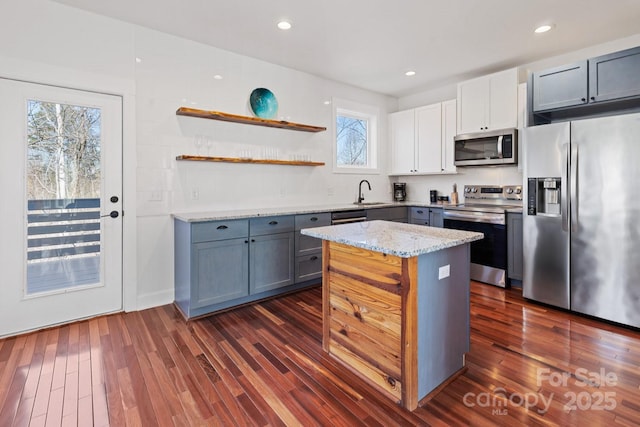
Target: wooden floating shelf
{"type": "Point", "coordinates": [256, 121]}
{"type": "Point", "coordinates": [243, 160]}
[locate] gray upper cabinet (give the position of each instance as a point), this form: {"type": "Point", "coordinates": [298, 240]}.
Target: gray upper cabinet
{"type": "Point", "coordinates": [615, 76]}
{"type": "Point", "coordinates": [560, 87]}
{"type": "Point", "coordinates": [605, 85]}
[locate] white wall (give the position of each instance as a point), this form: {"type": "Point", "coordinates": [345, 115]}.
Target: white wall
{"type": "Point", "coordinates": [50, 43]}
{"type": "Point", "coordinates": [176, 72]}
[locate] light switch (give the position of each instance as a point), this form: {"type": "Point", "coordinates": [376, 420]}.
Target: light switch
{"type": "Point", "coordinates": [444, 272]}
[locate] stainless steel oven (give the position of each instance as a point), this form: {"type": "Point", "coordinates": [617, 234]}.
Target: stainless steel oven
{"type": "Point", "coordinates": [484, 211]}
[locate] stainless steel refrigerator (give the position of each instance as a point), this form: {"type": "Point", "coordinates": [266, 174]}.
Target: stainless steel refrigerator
{"type": "Point", "coordinates": [582, 217]}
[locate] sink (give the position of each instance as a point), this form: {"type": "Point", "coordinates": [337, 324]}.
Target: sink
{"type": "Point", "coordinates": [369, 203]}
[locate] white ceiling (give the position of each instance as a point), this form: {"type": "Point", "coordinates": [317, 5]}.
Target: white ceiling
{"type": "Point", "coordinates": [371, 43]}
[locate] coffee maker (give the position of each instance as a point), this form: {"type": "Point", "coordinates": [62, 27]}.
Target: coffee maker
{"type": "Point", "coordinates": [399, 191]}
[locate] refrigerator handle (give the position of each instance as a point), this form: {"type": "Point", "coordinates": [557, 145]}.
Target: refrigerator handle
{"type": "Point", "coordinates": [564, 199]}
{"type": "Point", "coordinates": [574, 188]}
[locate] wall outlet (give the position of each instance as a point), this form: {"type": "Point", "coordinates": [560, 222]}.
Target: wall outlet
{"type": "Point", "coordinates": [195, 194]}
{"type": "Point", "coordinates": [155, 196]}
{"type": "Point", "coordinates": [444, 271]}
{"type": "Point", "coordinates": [331, 191]}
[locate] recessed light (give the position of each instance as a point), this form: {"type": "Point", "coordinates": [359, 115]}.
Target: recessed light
{"type": "Point", "coordinates": [284, 25]}
{"type": "Point", "coordinates": [410, 73]}
{"type": "Point", "coordinates": [543, 28]}
{"type": "Point", "coordinates": [217, 77]}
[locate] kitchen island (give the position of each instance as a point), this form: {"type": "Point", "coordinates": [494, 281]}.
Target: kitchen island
{"type": "Point", "coordinates": [396, 303]}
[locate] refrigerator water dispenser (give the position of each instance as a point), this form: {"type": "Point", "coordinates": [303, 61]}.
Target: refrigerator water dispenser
{"type": "Point", "coordinates": [543, 196]}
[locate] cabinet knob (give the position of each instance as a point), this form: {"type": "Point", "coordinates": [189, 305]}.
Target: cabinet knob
{"type": "Point", "coordinates": [246, 241]}
{"type": "Point", "coordinates": [583, 99]}
{"type": "Point", "coordinates": [593, 98]}
{"type": "Point", "coordinates": [273, 223]}
{"type": "Point", "coordinates": [313, 258]}
{"type": "Point", "coordinates": [420, 212]}
{"type": "Point", "coordinates": [313, 218]}
{"type": "Point", "coordinates": [253, 240]}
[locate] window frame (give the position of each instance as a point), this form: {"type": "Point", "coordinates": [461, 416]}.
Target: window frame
{"type": "Point", "coordinates": [359, 111]}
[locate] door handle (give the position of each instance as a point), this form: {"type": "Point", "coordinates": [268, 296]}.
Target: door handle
{"type": "Point", "coordinates": [112, 214]}
{"type": "Point", "coordinates": [564, 187]}
{"type": "Point", "coordinates": [574, 188]}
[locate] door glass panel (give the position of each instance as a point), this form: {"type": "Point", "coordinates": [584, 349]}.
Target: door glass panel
{"type": "Point", "coordinates": [63, 196]}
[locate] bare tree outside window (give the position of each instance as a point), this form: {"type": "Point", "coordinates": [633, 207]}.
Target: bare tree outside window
{"type": "Point", "coordinates": [351, 137]}
{"type": "Point", "coordinates": [63, 151]}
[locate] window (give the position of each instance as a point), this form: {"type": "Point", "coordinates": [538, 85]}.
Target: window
{"type": "Point", "coordinates": [355, 144]}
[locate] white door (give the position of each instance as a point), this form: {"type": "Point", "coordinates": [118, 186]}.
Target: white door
{"type": "Point", "coordinates": [61, 214]}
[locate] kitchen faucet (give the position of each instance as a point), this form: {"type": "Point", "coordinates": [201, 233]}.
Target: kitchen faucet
{"type": "Point", "coordinates": [360, 196]}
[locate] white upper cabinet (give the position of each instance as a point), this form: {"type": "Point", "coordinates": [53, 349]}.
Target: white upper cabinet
{"type": "Point", "coordinates": [422, 139]}
{"type": "Point", "coordinates": [488, 102]}
{"type": "Point", "coordinates": [403, 133]}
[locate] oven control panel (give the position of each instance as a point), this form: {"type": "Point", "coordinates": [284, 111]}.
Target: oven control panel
{"type": "Point", "coordinates": [493, 192]}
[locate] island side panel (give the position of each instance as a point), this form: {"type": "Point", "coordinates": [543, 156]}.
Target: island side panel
{"type": "Point", "coordinates": [410, 333]}
{"type": "Point", "coordinates": [326, 305]}
{"type": "Point", "coordinates": [443, 316]}
{"type": "Point", "coordinates": [364, 319]}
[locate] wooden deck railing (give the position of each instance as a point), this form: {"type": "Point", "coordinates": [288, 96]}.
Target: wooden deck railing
{"type": "Point", "coordinates": [63, 228]}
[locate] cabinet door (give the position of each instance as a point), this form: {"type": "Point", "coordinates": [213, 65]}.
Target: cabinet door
{"type": "Point", "coordinates": [419, 216]}
{"type": "Point", "coordinates": [514, 246]}
{"type": "Point", "coordinates": [271, 261]}
{"type": "Point", "coordinates": [472, 99]}
{"type": "Point", "coordinates": [428, 152]}
{"type": "Point", "coordinates": [402, 134]}
{"type": "Point", "coordinates": [615, 76]}
{"type": "Point", "coordinates": [220, 271]}
{"type": "Point", "coordinates": [559, 87]}
{"type": "Point", "coordinates": [435, 218]}
{"type": "Point", "coordinates": [503, 100]}
{"type": "Point", "coordinates": [449, 123]}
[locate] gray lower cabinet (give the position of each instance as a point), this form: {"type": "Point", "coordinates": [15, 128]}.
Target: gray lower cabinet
{"type": "Point", "coordinates": [426, 216]}
{"type": "Point", "coordinates": [221, 271]}
{"type": "Point", "coordinates": [271, 262]}
{"type": "Point", "coordinates": [436, 219]}
{"type": "Point", "coordinates": [221, 264]}
{"type": "Point", "coordinates": [397, 214]}
{"type": "Point", "coordinates": [514, 246]}
{"type": "Point", "coordinates": [419, 216]}
{"type": "Point", "coordinates": [309, 249]}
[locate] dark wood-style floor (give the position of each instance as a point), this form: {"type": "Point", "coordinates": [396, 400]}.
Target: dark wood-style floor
{"type": "Point", "coordinates": [263, 365]}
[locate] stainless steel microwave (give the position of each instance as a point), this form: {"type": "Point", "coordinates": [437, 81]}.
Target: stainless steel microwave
{"type": "Point", "coordinates": [498, 147]}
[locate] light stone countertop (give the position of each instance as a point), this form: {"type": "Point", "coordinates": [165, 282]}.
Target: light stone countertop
{"type": "Point", "coordinates": [393, 238]}
{"type": "Point", "coordinates": [214, 215]}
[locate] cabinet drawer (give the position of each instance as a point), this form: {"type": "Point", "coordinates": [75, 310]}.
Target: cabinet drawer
{"type": "Point", "coordinates": [419, 214]}
{"type": "Point", "coordinates": [219, 230]}
{"type": "Point", "coordinates": [271, 225]}
{"type": "Point", "coordinates": [307, 244]}
{"type": "Point", "coordinates": [313, 220]}
{"type": "Point", "coordinates": [308, 267]}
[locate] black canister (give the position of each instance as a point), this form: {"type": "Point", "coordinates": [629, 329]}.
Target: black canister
{"type": "Point", "coordinates": [433, 196]}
